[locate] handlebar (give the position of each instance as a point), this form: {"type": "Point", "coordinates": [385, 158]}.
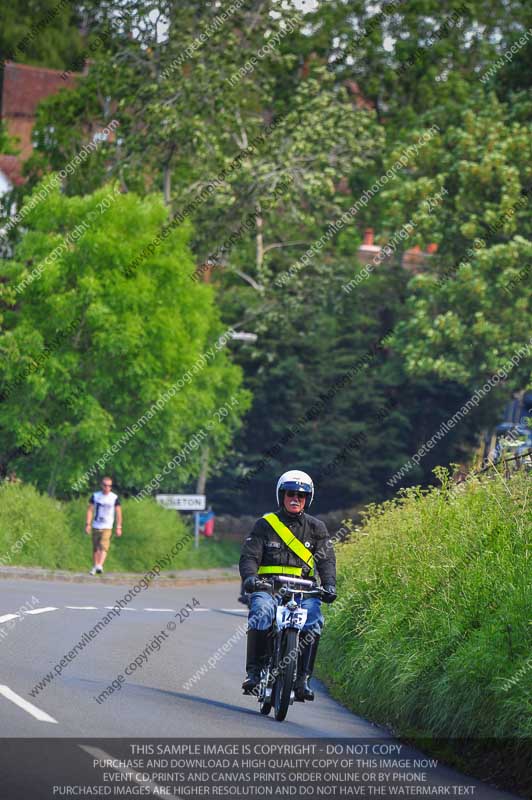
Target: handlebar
{"type": "Point", "coordinates": [284, 591]}
{"type": "Point", "coordinates": [284, 579]}
{"type": "Point", "coordinates": [292, 586]}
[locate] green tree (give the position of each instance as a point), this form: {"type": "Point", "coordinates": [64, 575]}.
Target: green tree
{"type": "Point", "coordinates": [46, 33]}
{"type": "Point", "coordinates": [88, 350]}
{"type": "Point", "coordinates": [331, 396]}
{"type": "Point", "coordinates": [186, 113]}
{"type": "Point", "coordinates": [470, 312]}
{"type": "Point", "coordinates": [408, 58]}
{"type": "Point", "coordinates": [185, 126]}
{"type": "Point", "coordinates": [184, 117]}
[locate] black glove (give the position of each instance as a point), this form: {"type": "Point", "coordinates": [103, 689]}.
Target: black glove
{"type": "Point", "coordinates": [256, 584]}
{"type": "Point", "coordinates": [249, 583]}
{"type": "Point", "coordinates": [330, 593]}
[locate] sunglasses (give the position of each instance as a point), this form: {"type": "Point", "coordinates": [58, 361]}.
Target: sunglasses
{"type": "Point", "coordinates": [296, 494]}
{"type": "Point", "coordinates": [107, 484]}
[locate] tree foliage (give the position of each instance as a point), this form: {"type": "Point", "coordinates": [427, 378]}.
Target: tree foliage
{"type": "Point", "coordinates": [88, 347]}
{"type": "Point", "coordinates": [260, 151]}
{"type": "Point", "coordinates": [44, 33]}
{"type": "Point", "coordinates": [471, 311]}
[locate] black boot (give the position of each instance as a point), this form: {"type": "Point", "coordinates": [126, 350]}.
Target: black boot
{"type": "Point", "coordinates": [256, 646]}
{"type": "Point", "coordinates": [305, 667]}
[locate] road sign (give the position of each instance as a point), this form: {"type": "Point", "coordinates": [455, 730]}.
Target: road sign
{"type": "Point", "coordinates": [182, 502]}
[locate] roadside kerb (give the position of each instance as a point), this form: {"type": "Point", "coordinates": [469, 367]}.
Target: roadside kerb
{"type": "Point", "coordinates": [186, 577]}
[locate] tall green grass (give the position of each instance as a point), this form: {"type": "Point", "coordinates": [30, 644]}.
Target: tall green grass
{"type": "Point", "coordinates": [40, 532]}
{"type": "Point", "coordinates": [434, 620]}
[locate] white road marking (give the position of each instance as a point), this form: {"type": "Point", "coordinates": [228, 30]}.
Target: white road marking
{"type": "Point", "coordinates": [7, 617]}
{"type": "Point", "coordinates": [42, 716]}
{"type": "Point", "coordinates": [128, 774]}
{"type": "Point", "coordinates": [42, 610]}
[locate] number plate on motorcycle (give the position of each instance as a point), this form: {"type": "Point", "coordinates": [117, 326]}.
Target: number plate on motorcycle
{"type": "Point", "coordinates": [291, 619]}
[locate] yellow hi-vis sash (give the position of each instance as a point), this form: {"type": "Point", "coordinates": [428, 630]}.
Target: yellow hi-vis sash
{"type": "Point", "coordinates": [295, 546]}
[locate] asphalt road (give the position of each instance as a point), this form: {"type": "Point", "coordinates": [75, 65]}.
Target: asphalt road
{"type": "Point", "coordinates": [156, 700]}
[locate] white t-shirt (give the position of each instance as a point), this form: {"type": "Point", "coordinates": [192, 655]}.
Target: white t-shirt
{"type": "Point", "coordinates": [104, 509]}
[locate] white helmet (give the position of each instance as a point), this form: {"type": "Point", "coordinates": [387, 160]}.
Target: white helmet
{"type": "Point", "coordinates": [298, 481]}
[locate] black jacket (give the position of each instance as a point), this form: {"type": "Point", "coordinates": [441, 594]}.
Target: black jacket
{"type": "Point", "coordinates": [264, 547]}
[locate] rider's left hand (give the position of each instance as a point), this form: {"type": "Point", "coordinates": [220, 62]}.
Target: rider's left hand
{"type": "Point", "coordinates": [330, 594]}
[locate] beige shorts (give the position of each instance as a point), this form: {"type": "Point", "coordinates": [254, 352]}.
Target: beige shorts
{"type": "Point", "coordinates": [101, 539]}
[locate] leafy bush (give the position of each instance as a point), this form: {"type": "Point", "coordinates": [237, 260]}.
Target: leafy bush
{"type": "Point", "coordinates": [34, 529]}
{"type": "Point", "coordinates": [38, 531]}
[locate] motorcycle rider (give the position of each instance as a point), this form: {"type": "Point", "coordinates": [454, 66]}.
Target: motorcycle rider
{"type": "Point", "coordinates": [292, 543]}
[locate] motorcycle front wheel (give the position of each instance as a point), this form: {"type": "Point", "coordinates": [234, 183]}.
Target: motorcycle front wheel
{"type": "Point", "coordinates": [284, 682]}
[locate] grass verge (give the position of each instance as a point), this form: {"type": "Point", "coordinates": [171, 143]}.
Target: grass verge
{"type": "Point", "coordinates": [432, 632]}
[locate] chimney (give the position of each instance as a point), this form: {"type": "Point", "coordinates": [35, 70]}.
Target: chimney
{"type": "Point", "coordinates": [368, 250]}
{"type": "Point", "coordinates": [368, 236]}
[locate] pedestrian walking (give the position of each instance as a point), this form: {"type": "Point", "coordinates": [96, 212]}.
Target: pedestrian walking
{"type": "Point", "coordinates": [100, 520]}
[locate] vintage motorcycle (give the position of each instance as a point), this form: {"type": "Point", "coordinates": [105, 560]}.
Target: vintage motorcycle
{"type": "Point", "coordinates": [278, 674]}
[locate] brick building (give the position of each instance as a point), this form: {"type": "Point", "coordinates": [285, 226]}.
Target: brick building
{"type": "Point", "coordinates": [22, 90]}
{"type": "Point", "coordinates": [23, 87]}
